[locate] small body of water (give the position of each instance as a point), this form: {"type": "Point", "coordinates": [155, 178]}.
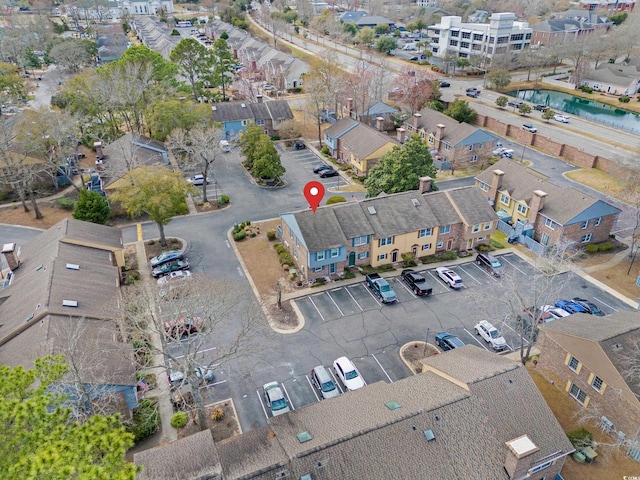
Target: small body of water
{"type": "Point", "coordinates": [583, 108]}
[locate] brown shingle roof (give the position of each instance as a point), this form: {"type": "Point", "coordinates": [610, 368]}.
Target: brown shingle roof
{"type": "Point", "coordinates": [234, 111]}
{"type": "Point", "coordinates": [363, 140]}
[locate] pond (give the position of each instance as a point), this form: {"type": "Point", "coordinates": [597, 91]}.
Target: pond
{"type": "Point", "coordinates": [583, 108]}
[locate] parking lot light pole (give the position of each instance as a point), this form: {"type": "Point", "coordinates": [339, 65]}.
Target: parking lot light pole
{"type": "Point", "coordinates": [524, 147]}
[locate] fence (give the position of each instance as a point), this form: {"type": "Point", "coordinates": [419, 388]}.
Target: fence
{"type": "Point", "coordinates": [518, 233]}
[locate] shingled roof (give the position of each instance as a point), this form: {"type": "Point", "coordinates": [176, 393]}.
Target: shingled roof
{"type": "Point", "coordinates": [363, 140]}
{"type": "Point", "coordinates": [564, 205]}
{"type": "Point", "coordinates": [277, 110]}
{"type": "Point", "coordinates": [455, 133]}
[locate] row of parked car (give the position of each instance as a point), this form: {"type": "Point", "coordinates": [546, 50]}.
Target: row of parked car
{"type": "Point", "coordinates": [170, 267]}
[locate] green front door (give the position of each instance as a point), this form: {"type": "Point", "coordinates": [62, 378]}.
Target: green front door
{"type": "Point", "coordinates": [352, 259]}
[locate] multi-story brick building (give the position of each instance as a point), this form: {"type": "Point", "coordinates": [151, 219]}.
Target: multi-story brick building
{"type": "Point", "coordinates": [609, 5]}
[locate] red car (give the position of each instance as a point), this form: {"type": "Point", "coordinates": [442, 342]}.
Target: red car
{"type": "Point", "coordinates": [181, 327]}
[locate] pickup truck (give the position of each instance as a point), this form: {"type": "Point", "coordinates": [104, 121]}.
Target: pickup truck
{"type": "Point", "coordinates": [416, 282]}
{"type": "Point", "coordinates": [381, 288]}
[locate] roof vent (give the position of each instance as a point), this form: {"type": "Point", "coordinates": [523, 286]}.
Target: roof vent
{"type": "Point", "coordinates": [429, 435]}
{"type": "Point", "coordinates": [39, 267]}
{"type": "Point", "coordinates": [30, 317]}
{"type": "Point", "coordinates": [243, 105]}
{"type": "Point", "coordinates": [306, 476]}
{"type": "Point", "coordinates": [372, 210]}
{"type": "Point", "coordinates": [214, 108]}
{"type": "Point", "coordinates": [393, 405]}
{"type": "Point", "coordinates": [304, 437]}
{"type": "Point", "coordinates": [69, 303]}
{"type": "Point", "coordinates": [73, 266]}
{"type": "Point", "coordinates": [281, 474]}
{"type": "Point", "coordinates": [415, 202]}
{"type": "Point", "coordinates": [616, 347]}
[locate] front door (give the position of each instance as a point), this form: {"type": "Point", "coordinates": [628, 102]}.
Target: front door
{"type": "Point", "coordinates": [450, 244]}
{"type": "Point", "coordinates": [470, 244]}
{"type": "Point", "coordinates": [352, 259]}
{"type": "Point", "coordinates": [332, 268]}
{"type": "Point", "coordinates": [394, 256]}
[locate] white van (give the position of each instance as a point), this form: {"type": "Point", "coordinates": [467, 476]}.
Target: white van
{"type": "Point", "coordinates": [410, 46]}
{"type": "Point", "coordinates": [224, 146]}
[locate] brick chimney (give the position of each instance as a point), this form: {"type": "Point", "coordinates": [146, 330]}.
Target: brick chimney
{"type": "Point", "coordinates": [425, 184]}
{"type": "Point", "coordinates": [349, 107]}
{"type": "Point", "coordinates": [520, 456]}
{"type": "Point", "coordinates": [496, 183]}
{"type": "Point", "coordinates": [380, 124]}
{"type": "Point", "coordinates": [259, 98]}
{"type": "Point", "coordinates": [235, 53]}
{"type": "Point", "coordinates": [400, 134]}
{"type": "Point", "coordinates": [416, 120]}
{"type": "Point", "coordinates": [254, 66]}
{"type": "Point", "coordinates": [537, 204]}
{"type": "Point", "coordinates": [439, 132]}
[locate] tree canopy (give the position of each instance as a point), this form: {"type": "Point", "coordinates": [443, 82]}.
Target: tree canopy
{"type": "Point", "coordinates": [194, 63]}
{"type": "Point", "coordinates": [91, 207]}
{"type": "Point", "coordinates": [155, 191]}
{"type": "Point", "coordinates": [500, 79]}
{"type": "Point", "coordinates": [261, 157]}
{"type": "Point", "coordinates": [461, 111]}
{"type": "Point", "coordinates": [400, 169]}
{"type": "Point", "coordinates": [39, 438]}
{"type": "Point", "coordinates": [385, 44]}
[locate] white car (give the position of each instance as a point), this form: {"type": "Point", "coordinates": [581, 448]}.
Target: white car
{"type": "Point", "coordinates": [449, 277]}
{"type": "Point", "coordinates": [561, 118]}
{"type": "Point", "coordinates": [555, 311]}
{"type": "Point", "coordinates": [491, 335]}
{"type": "Point", "coordinates": [198, 180]}
{"type": "Point", "coordinates": [174, 277]}
{"type": "Point", "coordinates": [499, 151]}
{"type": "Point", "coordinates": [348, 374]}
{"type": "Point", "coordinates": [275, 398]}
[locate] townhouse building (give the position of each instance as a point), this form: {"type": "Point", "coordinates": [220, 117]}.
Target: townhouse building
{"type": "Point", "coordinates": [503, 34]}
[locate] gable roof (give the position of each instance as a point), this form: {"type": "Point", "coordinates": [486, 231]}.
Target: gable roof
{"type": "Point", "coordinates": [351, 16]}
{"type": "Point", "coordinates": [379, 108]}
{"type": "Point", "coordinates": [602, 344]}
{"type": "Point", "coordinates": [373, 20]}
{"type": "Point", "coordinates": [340, 127]}
{"type": "Point", "coordinates": [564, 205]}
{"type": "Point", "coordinates": [471, 206]}
{"type": "Point", "coordinates": [131, 150]}
{"type": "Point", "coordinates": [277, 110]}
{"type": "Point", "coordinates": [363, 140]}
{"type": "Point", "coordinates": [455, 133]}
{"type": "Point", "coordinates": [356, 435]}
{"type": "Point", "coordinates": [560, 25]}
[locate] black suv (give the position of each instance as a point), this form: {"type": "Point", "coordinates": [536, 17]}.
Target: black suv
{"type": "Point", "coordinates": [416, 282]}
{"type": "Point", "coordinates": [299, 145]}
{"type": "Point", "coordinates": [490, 263]}
{"type": "Point", "coordinates": [541, 108]}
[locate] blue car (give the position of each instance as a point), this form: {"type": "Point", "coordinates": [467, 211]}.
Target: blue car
{"type": "Point", "coordinates": [165, 257]}
{"type": "Point", "coordinates": [447, 341]}
{"type": "Point", "coordinates": [593, 309]}
{"type": "Point", "coordinates": [571, 307]}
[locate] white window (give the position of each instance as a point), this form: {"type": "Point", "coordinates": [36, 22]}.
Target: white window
{"type": "Point", "coordinates": [260, 122]}
{"type": "Point", "coordinates": [431, 139]}
{"type": "Point", "coordinates": [320, 256]}
{"type": "Point", "coordinates": [439, 245]}
{"type": "Point", "coordinates": [445, 229]}
{"type": "Point", "coordinates": [297, 242]}
{"type": "Point", "coordinates": [584, 225]}
{"type": "Point", "coordinates": [473, 159]}
{"type": "Point", "coordinates": [244, 123]}
{"type": "Point", "coordinates": [426, 246]}
{"type": "Point", "coordinates": [578, 394]}
{"type": "Point", "coordinates": [504, 199]}
{"type": "Point", "coordinates": [362, 255]}
{"type": "Point", "coordinates": [295, 254]}
{"type": "Point", "coordinates": [487, 226]}
{"type": "Point", "coordinates": [335, 252]}
{"type": "Point", "coordinates": [447, 146]}
{"type": "Point", "coordinates": [541, 467]}
{"type": "Point", "coordinates": [596, 383]}
{"type": "Point", "coordinates": [425, 232]}
{"type": "Point", "coordinates": [573, 364]}
{"type": "Point", "coordinates": [386, 241]}
{"type": "Point", "coordinates": [471, 148]}
{"type": "Point", "coordinates": [597, 222]}
{"type": "Point", "coordinates": [545, 239]}
{"type": "Point", "coordinates": [484, 187]}
{"type": "Point", "coordinates": [362, 240]}
{"type": "Point", "coordinates": [586, 238]}
{"type": "Point", "coordinates": [522, 209]}
{"type": "Point", "coordinates": [382, 256]}
{"type": "Point", "coordinates": [476, 228]}
{"type": "Point", "coordinates": [550, 223]}
{"type": "Point", "coordinates": [318, 269]}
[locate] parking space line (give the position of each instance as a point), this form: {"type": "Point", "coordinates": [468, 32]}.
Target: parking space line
{"type": "Point", "coordinates": [514, 331]}
{"type": "Point", "coordinates": [314, 306]}
{"type": "Point", "coordinates": [502, 257]}
{"type": "Point", "coordinates": [477, 341]}
{"type": "Point", "coordinates": [264, 410]}
{"type": "Point", "coordinates": [473, 277]}
{"type": "Point", "coordinates": [352, 298]}
{"type": "Point", "coordinates": [335, 380]}
{"type": "Point", "coordinates": [288, 397]}
{"type": "Point", "coordinates": [406, 288]}
{"type": "Point", "coordinates": [382, 368]}
{"type": "Point", "coordinates": [334, 302]}
{"type": "Point", "coordinates": [606, 304]}
{"type": "Point", "coordinates": [312, 387]}
{"type": "Point", "coordinates": [372, 295]}
{"type": "Point", "coordinates": [485, 272]}
{"type": "Point", "coordinates": [215, 383]}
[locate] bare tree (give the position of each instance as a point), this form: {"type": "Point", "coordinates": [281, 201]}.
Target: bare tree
{"type": "Point", "coordinates": [195, 313]}
{"type": "Point", "coordinates": [321, 86]}
{"type": "Point", "coordinates": [197, 148]}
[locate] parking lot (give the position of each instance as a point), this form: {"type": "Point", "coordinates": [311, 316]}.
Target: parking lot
{"type": "Point", "coordinates": [349, 320]}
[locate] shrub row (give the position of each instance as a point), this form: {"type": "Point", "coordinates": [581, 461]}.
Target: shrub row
{"type": "Point", "coordinates": [599, 247]}
{"type": "Point", "coordinates": [439, 257]}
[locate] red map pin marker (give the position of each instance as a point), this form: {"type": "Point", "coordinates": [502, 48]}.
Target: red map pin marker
{"type": "Point", "coordinates": [314, 192]}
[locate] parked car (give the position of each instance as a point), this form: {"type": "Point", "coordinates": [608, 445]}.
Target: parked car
{"type": "Point", "coordinates": [490, 263]}
{"type": "Point", "coordinates": [330, 172]}
{"type": "Point", "coordinates": [321, 168]}
{"type": "Point", "coordinates": [491, 335]}
{"type": "Point", "coordinates": [499, 151]}
{"type": "Point", "coordinates": [205, 374]}
{"type": "Point", "coordinates": [515, 103]}
{"type": "Point", "coordinates": [556, 312]}
{"type": "Point", "coordinates": [181, 327]}
{"type": "Point", "coordinates": [447, 341]}
{"type": "Point", "coordinates": [177, 379]}
{"type": "Point", "coordinates": [541, 108]}
{"type": "Point", "coordinates": [348, 374]}
{"type": "Point", "coordinates": [416, 282]}
{"type": "Point", "coordinates": [275, 399]}
{"type": "Point", "coordinates": [529, 128]}
{"type": "Point", "coordinates": [267, 86]}
{"type": "Point", "coordinates": [323, 382]}
{"type": "Point", "coordinates": [445, 84]}
{"type": "Point", "coordinates": [508, 153]}
{"type": "Point", "coordinates": [449, 277]}
{"type": "Point", "coordinates": [172, 266]}
{"type": "Point", "coordinates": [174, 277]}
{"type": "Point", "coordinates": [473, 93]}
{"type": "Point", "coordinates": [541, 315]}
{"type": "Point", "coordinates": [198, 180]}
{"type": "Point", "coordinates": [591, 307]}
{"type": "Point", "coordinates": [571, 307]}
{"type": "Point", "coordinates": [166, 257]}
{"type": "Point", "coordinates": [299, 145]}
{"type": "Point", "coordinates": [561, 118]}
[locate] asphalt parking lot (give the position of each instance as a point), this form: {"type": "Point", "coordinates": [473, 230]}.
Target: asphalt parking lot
{"type": "Point", "coordinates": [349, 320]}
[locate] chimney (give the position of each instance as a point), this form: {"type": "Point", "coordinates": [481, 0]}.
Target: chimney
{"type": "Point", "coordinates": [259, 98]}
{"type": "Point", "coordinates": [254, 66]}
{"type": "Point", "coordinates": [439, 132]}
{"type": "Point", "coordinates": [496, 183]}
{"type": "Point", "coordinates": [380, 124]}
{"type": "Point", "coordinates": [416, 120]}
{"type": "Point", "coordinates": [425, 184]}
{"type": "Point", "coordinates": [235, 53]}
{"type": "Point", "coordinates": [97, 146]}
{"type": "Point", "coordinates": [520, 456]}
{"type": "Point", "coordinates": [11, 256]}
{"type": "Point", "coordinates": [400, 135]}
{"type": "Point", "coordinates": [349, 107]}
{"type": "Point", "coordinates": [537, 204]}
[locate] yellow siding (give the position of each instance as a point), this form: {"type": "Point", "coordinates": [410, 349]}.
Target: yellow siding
{"type": "Point", "coordinates": [567, 358]}
{"type": "Point", "coordinates": [586, 401]}
{"type": "Point", "coordinates": [603, 388]}
{"type": "Point", "coordinates": [568, 387]}
{"type": "Point", "coordinates": [403, 244]}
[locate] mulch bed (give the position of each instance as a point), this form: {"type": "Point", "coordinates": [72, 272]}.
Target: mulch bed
{"type": "Point", "coordinates": [413, 352]}
{"type": "Point", "coordinates": [222, 429]}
